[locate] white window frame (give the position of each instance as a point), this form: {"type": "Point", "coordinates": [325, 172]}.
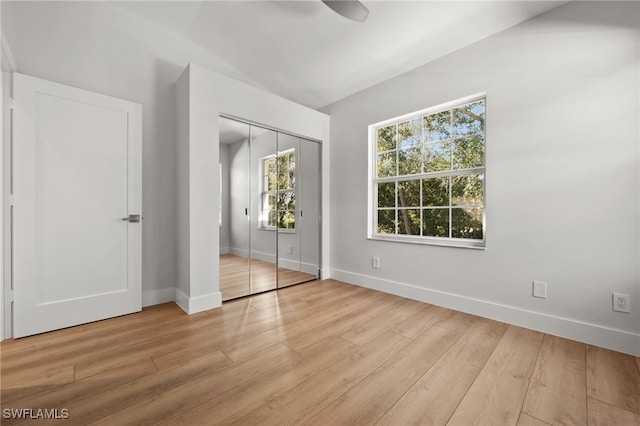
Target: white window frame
{"type": "Point", "coordinates": [373, 180]}
{"type": "Point", "coordinates": [263, 222]}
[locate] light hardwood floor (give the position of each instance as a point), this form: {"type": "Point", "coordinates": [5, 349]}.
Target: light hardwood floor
{"type": "Point", "coordinates": [240, 276]}
{"type": "Point", "coordinates": [321, 353]}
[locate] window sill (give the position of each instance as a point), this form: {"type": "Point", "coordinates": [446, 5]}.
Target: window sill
{"type": "Point", "coordinates": [280, 230]}
{"type": "Point", "coordinates": [434, 241]}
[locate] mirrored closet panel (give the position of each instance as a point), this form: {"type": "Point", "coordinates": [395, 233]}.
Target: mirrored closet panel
{"type": "Point", "coordinates": [263, 238]}
{"type": "Point", "coordinates": [270, 209]}
{"type": "Point", "coordinates": [234, 204]}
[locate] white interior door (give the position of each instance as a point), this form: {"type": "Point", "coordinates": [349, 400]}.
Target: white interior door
{"type": "Point", "coordinates": [76, 175]}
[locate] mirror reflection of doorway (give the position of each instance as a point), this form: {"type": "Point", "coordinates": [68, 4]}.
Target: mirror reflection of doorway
{"type": "Point", "coordinates": [270, 209]}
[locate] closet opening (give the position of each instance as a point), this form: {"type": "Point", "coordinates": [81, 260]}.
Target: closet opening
{"type": "Point", "coordinates": [270, 205]}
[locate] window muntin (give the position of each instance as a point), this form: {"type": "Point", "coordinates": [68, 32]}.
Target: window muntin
{"type": "Point", "coordinates": [278, 195]}
{"type": "Point", "coordinates": [429, 175]}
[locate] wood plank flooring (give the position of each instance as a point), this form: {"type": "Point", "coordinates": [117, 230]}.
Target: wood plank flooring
{"type": "Point", "coordinates": [240, 276]}
{"type": "Point", "coordinates": [320, 353]}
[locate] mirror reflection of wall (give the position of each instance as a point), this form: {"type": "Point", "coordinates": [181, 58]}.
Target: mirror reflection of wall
{"type": "Point", "coordinates": [234, 199]}
{"type": "Point", "coordinates": [269, 215]}
{"type": "Point", "coordinates": [288, 210]}
{"type": "Point", "coordinates": [263, 238]}
{"type": "Point", "coordinates": [309, 189]}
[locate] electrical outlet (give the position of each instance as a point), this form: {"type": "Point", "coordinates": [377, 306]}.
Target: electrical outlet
{"type": "Point", "coordinates": [289, 249]}
{"type": "Point", "coordinates": [540, 289]}
{"type": "Point", "coordinates": [621, 302]}
{"type": "Point", "coordinates": [375, 262]}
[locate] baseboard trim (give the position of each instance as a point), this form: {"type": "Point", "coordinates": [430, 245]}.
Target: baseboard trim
{"type": "Point", "coordinates": [592, 334]}
{"type": "Point", "coordinates": [309, 268]}
{"type": "Point", "coordinates": [158, 296]}
{"type": "Point", "coordinates": [239, 252]}
{"type": "Point", "coordinates": [264, 256]}
{"type": "Point", "coordinates": [193, 305]}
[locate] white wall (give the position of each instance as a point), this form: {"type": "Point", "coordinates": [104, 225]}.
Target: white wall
{"type": "Point", "coordinates": [100, 47]}
{"type": "Point", "coordinates": [563, 177]}
{"type": "Point", "coordinates": [555, 86]}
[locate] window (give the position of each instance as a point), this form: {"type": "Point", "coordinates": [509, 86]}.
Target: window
{"type": "Point", "coordinates": [278, 184]}
{"type": "Point", "coordinates": [428, 175]}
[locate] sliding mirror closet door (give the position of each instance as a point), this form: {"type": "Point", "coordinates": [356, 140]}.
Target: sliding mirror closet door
{"type": "Point", "coordinates": [309, 216]}
{"type": "Point", "coordinates": [298, 210]}
{"type": "Point", "coordinates": [270, 209]}
{"type": "Point", "coordinates": [234, 209]}
{"type": "Point", "coordinates": [264, 212]}
{"type": "Point", "coordinates": [288, 210]}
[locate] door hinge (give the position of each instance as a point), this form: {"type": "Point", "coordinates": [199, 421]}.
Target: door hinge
{"type": "Point", "coordinates": [12, 200]}
{"type": "Point", "coordinates": [11, 296]}
{"type": "Point", "coordinates": [12, 103]}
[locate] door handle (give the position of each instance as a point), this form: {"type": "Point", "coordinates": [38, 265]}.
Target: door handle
{"type": "Point", "coordinates": [133, 218]}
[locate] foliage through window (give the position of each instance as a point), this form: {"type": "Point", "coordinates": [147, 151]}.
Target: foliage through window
{"type": "Point", "coordinates": [279, 191]}
{"type": "Point", "coordinates": [429, 175]}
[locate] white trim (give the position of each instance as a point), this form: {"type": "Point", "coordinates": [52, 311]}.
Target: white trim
{"type": "Point", "coordinates": [236, 251]}
{"type": "Point", "coordinates": [158, 296]}
{"type": "Point", "coordinates": [264, 256]}
{"type": "Point", "coordinates": [3, 101]}
{"type": "Point", "coordinates": [6, 315]}
{"type": "Point", "coordinates": [593, 334]}
{"type": "Point", "coordinates": [431, 110]}
{"type": "Point", "coordinates": [193, 305]}
{"type": "Point", "coordinates": [182, 300]}
{"type": "Point", "coordinates": [262, 173]}
{"type": "Point", "coordinates": [431, 241]}
{"type": "Point", "coordinates": [373, 180]}
{"type": "Point", "coordinates": [309, 268]}
{"type": "Point", "coordinates": [293, 265]}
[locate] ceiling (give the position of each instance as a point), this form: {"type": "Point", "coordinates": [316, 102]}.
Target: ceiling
{"type": "Point", "coordinates": [303, 51]}
{"type": "Point", "coordinates": [232, 131]}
